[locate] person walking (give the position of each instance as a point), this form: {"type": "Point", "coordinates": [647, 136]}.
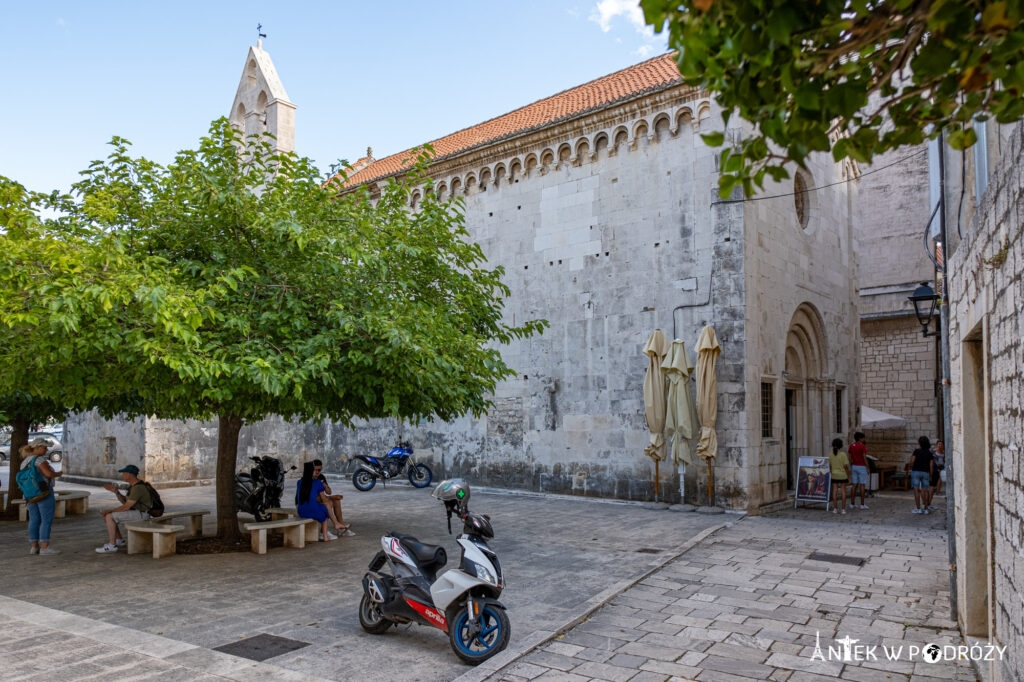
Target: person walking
{"type": "Point", "coordinates": [939, 453]}
{"type": "Point", "coordinates": [839, 463]}
{"type": "Point", "coordinates": [40, 514]}
{"type": "Point", "coordinates": [922, 466]}
{"type": "Point", "coordinates": [859, 469]}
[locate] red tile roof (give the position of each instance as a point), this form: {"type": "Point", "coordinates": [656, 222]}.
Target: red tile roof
{"type": "Point", "coordinates": [653, 74]}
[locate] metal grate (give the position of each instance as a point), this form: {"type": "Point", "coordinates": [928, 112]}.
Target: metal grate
{"type": "Point", "coordinates": [767, 409]}
{"type": "Point", "coordinates": [261, 647]}
{"type": "Point", "coordinates": [836, 559]}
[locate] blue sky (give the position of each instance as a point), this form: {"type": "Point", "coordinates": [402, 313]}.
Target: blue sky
{"type": "Point", "coordinates": [390, 76]}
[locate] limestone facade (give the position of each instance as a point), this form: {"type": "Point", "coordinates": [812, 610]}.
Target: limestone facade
{"type": "Point", "coordinates": [987, 377]}
{"type": "Point", "coordinates": [898, 365]}
{"type": "Point", "coordinates": [609, 226]}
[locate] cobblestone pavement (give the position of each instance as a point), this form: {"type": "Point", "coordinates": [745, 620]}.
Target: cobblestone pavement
{"type": "Point", "coordinates": [747, 603]}
{"type": "Point", "coordinates": [79, 615]}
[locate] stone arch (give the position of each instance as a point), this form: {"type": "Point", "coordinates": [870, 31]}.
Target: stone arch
{"type": "Point", "coordinates": [662, 127]}
{"type": "Point", "coordinates": [564, 154]}
{"type": "Point", "coordinates": [640, 128]}
{"type": "Point", "coordinates": [456, 186]}
{"type": "Point", "coordinates": [515, 170]}
{"type": "Point", "coordinates": [582, 151]}
{"type": "Point", "coordinates": [261, 101]}
{"type": "Point", "coordinates": [469, 184]}
{"type": "Point", "coordinates": [440, 189]}
{"type": "Point", "coordinates": [250, 73]}
{"type": "Point", "coordinates": [547, 159]}
{"type": "Point", "coordinates": [620, 137]}
{"type": "Point", "coordinates": [684, 117]}
{"type": "Point", "coordinates": [703, 113]}
{"type": "Point", "coordinates": [807, 424]}
{"type": "Point", "coordinates": [530, 163]}
{"type": "Point", "coordinates": [414, 200]}
{"type": "Point", "coordinates": [500, 174]}
{"type": "Point", "coordinates": [485, 179]}
{"type": "Point", "coordinates": [600, 145]}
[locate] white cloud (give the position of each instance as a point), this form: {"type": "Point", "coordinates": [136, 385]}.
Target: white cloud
{"type": "Point", "coordinates": [60, 21]}
{"type": "Point", "coordinates": [644, 51]}
{"type": "Point", "coordinates": [606, 11]}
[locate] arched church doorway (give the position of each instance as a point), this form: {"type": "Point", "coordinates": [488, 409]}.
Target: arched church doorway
{"type": "Point", "coordinates": [804, 383]}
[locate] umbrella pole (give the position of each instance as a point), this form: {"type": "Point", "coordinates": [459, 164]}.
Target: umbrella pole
{"type": "Point", "coordinates": [682, 484]}
{"type": "Point", "coordinates": [656, 480]}
{"type": "Point", "coordinates": [710, 501]}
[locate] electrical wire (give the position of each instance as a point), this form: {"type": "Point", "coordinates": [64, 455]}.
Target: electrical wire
{"type": "Point", "coordinates": [814, 189]}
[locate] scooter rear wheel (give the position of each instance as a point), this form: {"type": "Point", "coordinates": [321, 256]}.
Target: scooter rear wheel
{"type": "Point", "coordinates": [370, 617]}
{"type": "Point", "coordinates": [495, 630]}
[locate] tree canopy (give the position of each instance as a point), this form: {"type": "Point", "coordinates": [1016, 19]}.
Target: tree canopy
{"type": "Point", "coordinates": [855, 77]}
{"type": "Point", "coordinates": [247, 286]}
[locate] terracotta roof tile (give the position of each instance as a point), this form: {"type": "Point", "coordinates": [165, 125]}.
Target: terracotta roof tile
{"type": "Point", "coordinates": [656, 73]}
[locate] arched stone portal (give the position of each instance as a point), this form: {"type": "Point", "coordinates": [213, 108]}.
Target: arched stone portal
{"type": "Point", "coordinates": [806, 385]}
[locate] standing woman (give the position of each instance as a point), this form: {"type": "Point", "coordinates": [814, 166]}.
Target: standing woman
{"type": "Point", "coordinates": [40, 514]}
{"type": "Point", "coordinates": [922, 466]}
{"type": "Point", "coordinates": [939, 455]}
{"type": "Point", "coordinates": [839, 463]}
{"type": "Point", "coordinates": [307, 500]}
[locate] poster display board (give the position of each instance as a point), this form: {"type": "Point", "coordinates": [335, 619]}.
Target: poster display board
{"type": "Point", "coordinates": [814, 480]}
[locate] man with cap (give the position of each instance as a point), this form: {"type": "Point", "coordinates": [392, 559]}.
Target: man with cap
{"type": "Point", "coordinates": [134, 507]}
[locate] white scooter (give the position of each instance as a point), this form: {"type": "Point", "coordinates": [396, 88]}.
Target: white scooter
{"type": "Point", "coordinates": [402, 585]}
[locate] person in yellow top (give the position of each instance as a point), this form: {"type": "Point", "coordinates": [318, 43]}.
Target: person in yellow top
{"type": "Point", "coordinates": [840, 464]}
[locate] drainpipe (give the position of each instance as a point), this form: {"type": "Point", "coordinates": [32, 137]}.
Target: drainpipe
{"type": "Point", "coordinates": [947, 430]}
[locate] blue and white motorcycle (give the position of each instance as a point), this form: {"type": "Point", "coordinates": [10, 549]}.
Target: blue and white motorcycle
{"type": "Point", "coordinates": [398, 459]}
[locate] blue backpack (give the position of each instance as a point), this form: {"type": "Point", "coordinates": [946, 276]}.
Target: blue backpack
{"type": "Point", "coordinates": [29, 483]}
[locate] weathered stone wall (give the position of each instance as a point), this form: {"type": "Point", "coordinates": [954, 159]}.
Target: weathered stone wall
{"type": "Point", "coordinates": [801, 303]}
{"type": "Point", "coordinates": [986, 298]}
{"type": "Point", "coordinates": [606, 227]}
{"type": "Point", "coordinates": [97, 448]}
{"type": "Point", "coordinates": [897, 375]}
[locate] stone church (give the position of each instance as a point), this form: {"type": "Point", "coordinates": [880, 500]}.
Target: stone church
{"type": "Point", "coordinates": [601, 204]}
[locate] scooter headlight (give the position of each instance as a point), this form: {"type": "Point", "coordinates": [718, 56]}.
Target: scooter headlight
{"type": "Point", "coordinates": [484, 573]}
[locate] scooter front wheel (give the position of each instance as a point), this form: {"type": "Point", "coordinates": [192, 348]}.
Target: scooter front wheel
{"type": "Point", "coordinates": [370, 617]}
{"type": "Point", "coordinates": [492, 638]}
{"type": "Point", "coordinates": [363, 480]}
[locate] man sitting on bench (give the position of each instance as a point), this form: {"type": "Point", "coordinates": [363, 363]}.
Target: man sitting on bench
{"type": "Point", "coordinates": [134, 507]}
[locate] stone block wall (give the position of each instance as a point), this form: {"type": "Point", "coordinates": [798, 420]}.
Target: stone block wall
{"type": "Point", "coordinates": [987, 325]}
{"type": "Point", "coordinates": [898, 375]}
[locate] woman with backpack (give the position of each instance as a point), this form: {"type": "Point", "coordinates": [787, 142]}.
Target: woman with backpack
{"type": "Point", "coordinates": [40, 511]}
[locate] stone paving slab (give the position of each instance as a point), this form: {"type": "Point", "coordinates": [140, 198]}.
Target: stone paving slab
{"type": "Point", "coordinates": [561, 556]}
{"type": "Point", "coordinates": [746, 603]}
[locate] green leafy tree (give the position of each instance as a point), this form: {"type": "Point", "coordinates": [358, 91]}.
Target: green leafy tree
{"type": "Point", "coordinates": [803, 72]}
{"type": "Point", "coordinates": [67, 297]}
{"type": "Point", "coordinates": [310, 303]}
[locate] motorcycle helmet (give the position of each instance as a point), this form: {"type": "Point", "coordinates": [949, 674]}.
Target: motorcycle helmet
{"type": "Point", "coordinates": [454, 493]}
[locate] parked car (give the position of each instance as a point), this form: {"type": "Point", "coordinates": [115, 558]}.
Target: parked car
{"type": "Point", "coordinates": [55, 454]}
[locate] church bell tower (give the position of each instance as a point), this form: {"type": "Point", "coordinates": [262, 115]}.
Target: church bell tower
{"type": "Point", "coordinates": [261, 104]}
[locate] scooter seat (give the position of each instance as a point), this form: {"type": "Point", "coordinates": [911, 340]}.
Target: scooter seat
{"type": "Point", "coordinates": [429, 557]}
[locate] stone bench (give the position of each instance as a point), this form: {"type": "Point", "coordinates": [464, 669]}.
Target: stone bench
{"type": "Point", "coordinates": [296, 532]}
{"type": "Point", "coordinates": [144, 536]}
{"type": "Point", "coordinates": [58, 509]}
{"type": "Point", "coordinates": [194, 516]}
{"type": "Point", "coordinates": [281, 513]}
{"type": "Point", "coordinates": [75, 501]}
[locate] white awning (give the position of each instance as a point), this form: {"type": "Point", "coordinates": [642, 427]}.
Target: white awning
{"type": "Point", "coordinates": [871, 418]}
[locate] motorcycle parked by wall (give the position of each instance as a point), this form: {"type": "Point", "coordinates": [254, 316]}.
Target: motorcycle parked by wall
{"type": "Point", "coordinates": [402, 585]}
{"type": "Point", "coordinates": [261, 488]}
{"type": "Point", "coordinates": [391, 466]}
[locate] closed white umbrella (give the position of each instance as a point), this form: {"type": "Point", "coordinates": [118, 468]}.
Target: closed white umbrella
{"type": "Point", "coordinates": [708, 351]}
{"type": "Point", "coordinates": [654, 399]}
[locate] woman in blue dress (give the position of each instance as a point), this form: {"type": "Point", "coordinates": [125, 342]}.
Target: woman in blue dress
{"type": "Point", "coordinates": [307, 500]}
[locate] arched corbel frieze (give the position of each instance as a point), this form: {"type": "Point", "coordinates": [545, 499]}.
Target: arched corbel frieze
{"type": "Point", "coordinates": [640, 129]}
{"type": "Point", "coordinates": [582, 152]}
{"type": "Point", "coordinates": [620, 138]}
{"type": "Point", "coordinates": [500, 174]}
{"type": "Point", "coordinates": [564, 155]}
{"type": "Point", "coordinates": [529, 164]}
{"type": "Point", "coordinates": [515, 170]}
{"type": "Point", "coordinates": [601, 146]}
{"type": "Point", "coordinates": [662, 127]}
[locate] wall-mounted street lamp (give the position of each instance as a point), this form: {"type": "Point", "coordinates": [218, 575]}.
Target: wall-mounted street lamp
{"type": "Point", "coordinates": [924, 300]}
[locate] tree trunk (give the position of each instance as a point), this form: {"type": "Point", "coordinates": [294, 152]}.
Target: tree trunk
{"type": "Point", "coordinates": [19, 437]}
{"type": "Point", "coordinates": [227, 457]}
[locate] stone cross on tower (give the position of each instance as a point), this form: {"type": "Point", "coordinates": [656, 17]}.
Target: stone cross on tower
{"type": "Point", "coordinates": [261, 104]}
